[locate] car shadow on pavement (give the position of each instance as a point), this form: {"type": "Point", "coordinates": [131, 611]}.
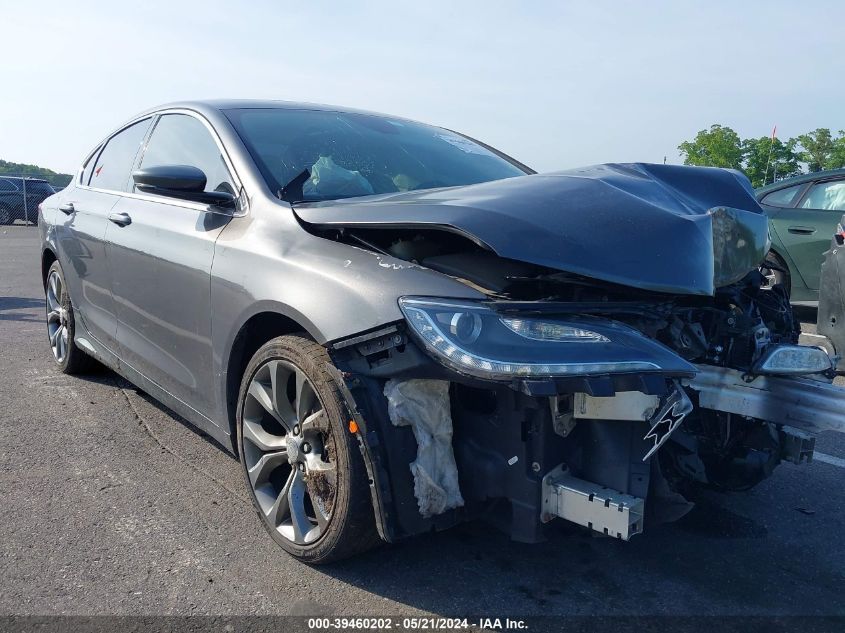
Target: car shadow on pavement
{"type": "Point", "coordinates": [19, 309]}
{"type": "Point", "coordinates": [106, 376]}
{"type": "Point", "coordinates": [177, 418]}
{"type": "Point", "coordinates": [714, 559]}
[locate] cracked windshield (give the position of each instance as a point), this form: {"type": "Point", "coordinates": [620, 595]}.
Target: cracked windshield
{"type": "Point", "coordinates": [348, 155]}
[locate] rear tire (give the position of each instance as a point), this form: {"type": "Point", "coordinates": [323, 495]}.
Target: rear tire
{"type": "Point", "coordinates": [61, 326]}
{"type": "Point", "coordinates": [302, 466]}
{"type": "Point", "coordinates": [6, 216]}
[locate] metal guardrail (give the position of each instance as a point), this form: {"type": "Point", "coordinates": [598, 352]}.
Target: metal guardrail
{"type": "Point", "coordinates": [20, 196]}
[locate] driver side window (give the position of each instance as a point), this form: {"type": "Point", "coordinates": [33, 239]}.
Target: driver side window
{"type": "Point", "coordinates": [180, 139]}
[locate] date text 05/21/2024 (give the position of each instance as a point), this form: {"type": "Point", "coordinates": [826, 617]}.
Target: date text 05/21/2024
{"type": "Point", "coordinates": [416, 624]}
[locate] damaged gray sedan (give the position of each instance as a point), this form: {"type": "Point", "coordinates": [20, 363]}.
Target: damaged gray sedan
{"type": "Point", "coordinates": [398, 328]}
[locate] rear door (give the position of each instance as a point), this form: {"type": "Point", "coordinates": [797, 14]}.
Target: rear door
{"type": "Point", "coordinates": [161, 253]}
{"type": "Point", "coordinates": [806, 229]}
{"type": "Point", "coordinates": [81, 230]}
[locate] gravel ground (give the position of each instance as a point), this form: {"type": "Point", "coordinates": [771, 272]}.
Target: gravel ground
{"type": "Point", "coordinates": [110, 504]}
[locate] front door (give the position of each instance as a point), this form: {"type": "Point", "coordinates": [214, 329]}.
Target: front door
{"type": "Point", "coordinates": [161, 250]}
{"type": "Point", "coordinates": [81, 230]}
{"type": "Point", "coordinates": [807, 229]}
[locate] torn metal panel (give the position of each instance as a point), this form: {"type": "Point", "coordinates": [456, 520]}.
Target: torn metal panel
{"type": "Point", "coordinates": [424, 406]}
{"type": "Point", "coordinates": [831, 315]}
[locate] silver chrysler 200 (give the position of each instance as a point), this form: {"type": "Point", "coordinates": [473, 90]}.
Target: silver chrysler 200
{"type": "Point", "coordinates": [398, 328]}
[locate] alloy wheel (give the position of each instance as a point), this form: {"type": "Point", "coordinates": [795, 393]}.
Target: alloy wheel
{"type": "Point", "coordinates": [57, 317]}
{"type": "Point", "coordinates": [289, 452]}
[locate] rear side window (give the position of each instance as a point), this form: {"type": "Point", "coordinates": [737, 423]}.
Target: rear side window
{"type": "Point", "coordinates": [89, 167]}
{"type": "Point", "coordinates": [7, 185]}
{"type": "Point", "coordinates": [828, 196]}
{"type": "Point", "coordinates": [180, 139]}
{"type": "Point", "coordinates": [782, 197]}
{"type": "Point", "coordinates": [115, 161]}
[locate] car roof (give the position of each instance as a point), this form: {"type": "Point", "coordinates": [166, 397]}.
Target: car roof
{"type": "Point", "coordinates": [797, 180]}
{"type": "Point", "coordinates": [220, 105]}
{"type": "Point", "coordinates": [27, 178]}
{"type": "Point", "coordinates": [213, 108]}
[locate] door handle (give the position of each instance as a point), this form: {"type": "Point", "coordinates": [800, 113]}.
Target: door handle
{"type": "Point", "coordinates": [67, 208]}
{"type": "Point", "coordinates": [121, 219]}
{"type": "Point", "coordinates": [801, 230]}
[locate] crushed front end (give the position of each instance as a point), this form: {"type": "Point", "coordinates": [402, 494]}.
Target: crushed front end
{"type": "Point", "coordinates": [627, 352]}
{"type": "Point", "coordinates": [602, 405]}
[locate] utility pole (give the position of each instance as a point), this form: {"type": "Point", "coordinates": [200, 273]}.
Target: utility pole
{"type": "Point", "coordinates": [771, 147]}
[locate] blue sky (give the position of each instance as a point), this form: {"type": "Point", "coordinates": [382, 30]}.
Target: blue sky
{"type": "Point", "coordinates": [555, 84]}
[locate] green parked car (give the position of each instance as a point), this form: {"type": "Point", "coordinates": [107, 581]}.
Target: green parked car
{"type": "Point", "coordinates": [804, 212]}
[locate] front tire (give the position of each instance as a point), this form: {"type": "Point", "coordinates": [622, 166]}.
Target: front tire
{"type": "Point", "coordinates": [304, 469]}
{"type": "Point", "coordinates": [61, 325]}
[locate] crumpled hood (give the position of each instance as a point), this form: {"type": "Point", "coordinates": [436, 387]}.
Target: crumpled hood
{"type": "Point", "coordinates": [664, 228]}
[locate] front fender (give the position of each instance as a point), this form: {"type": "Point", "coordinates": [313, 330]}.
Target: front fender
{"type": "Point", "coordinates": [268, 263]}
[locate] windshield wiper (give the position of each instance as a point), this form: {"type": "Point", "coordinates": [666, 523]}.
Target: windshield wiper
{"type": "Point", "coordinates": [292, 192]}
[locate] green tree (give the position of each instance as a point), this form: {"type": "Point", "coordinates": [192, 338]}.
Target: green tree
{"type": "Point", "coordinates": [818, 147]}
{"type": "Point", "coordinates": [719, 146]}
{"type": "Point", "coordinates": [783, 162]}
{"type": "Point", "coordinates": [22, 169]}
{"type": "Point", "coordinates": [837, 154]}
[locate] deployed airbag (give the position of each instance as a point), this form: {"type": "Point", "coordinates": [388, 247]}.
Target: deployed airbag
{"type": "Point", "coordinates": [424, 406]}
{"type": "Point", "coordinates": [328, 179]}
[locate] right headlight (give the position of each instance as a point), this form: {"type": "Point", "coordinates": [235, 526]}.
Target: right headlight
{"type": "Point", "coordinates": [472, 338]}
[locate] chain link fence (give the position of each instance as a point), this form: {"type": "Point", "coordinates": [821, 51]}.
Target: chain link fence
{"type": "Point", "coordinates": [19, 198]}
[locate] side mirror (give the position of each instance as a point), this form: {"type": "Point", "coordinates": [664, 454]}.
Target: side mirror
{"type": "Point", "coordinates": [180, 181]}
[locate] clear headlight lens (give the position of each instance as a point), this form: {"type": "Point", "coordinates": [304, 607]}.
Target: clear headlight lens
{"type": "Point", "coordinates": [474, 339]}
{"type": "Point", "coordinates": [794, 359]}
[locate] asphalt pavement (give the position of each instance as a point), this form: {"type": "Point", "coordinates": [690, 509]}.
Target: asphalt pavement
{"type": "Point", "coordinates": [111, 504]}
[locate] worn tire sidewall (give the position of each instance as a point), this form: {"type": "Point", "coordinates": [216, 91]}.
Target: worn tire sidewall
{"type": "Point", "coordinates": [286, 348]}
